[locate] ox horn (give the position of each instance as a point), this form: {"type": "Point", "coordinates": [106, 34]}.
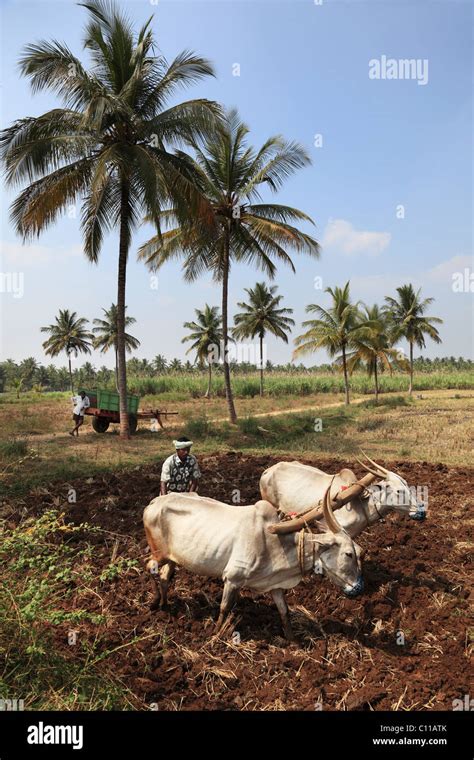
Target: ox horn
{"type": "Point", "coordinates": [376, 473]}
{"type": "Point", "coordinates": [349, 493]}
{"type": "Point", "coordinates": [331, 521]}
{"type": "Point", "coordinates": [377, 466]}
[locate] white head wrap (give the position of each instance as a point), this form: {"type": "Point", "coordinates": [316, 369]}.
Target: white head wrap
{"type": "Point", "coordinates": [182, 444]}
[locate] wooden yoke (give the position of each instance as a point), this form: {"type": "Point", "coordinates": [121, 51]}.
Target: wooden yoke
{"type": "Point", "coordinates": [316, 513]}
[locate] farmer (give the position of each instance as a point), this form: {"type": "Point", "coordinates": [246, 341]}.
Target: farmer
{"type": "Point", "coordinates": [180, 472]}
{"type": "Point", "coordinates": [81, 403]}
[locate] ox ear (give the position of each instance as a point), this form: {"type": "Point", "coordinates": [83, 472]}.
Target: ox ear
{"type": "Point", "coordinates": [324, 540]}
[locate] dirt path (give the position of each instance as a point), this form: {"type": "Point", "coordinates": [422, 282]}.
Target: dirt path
{"type": "Point", "coordinates": [298, 410]}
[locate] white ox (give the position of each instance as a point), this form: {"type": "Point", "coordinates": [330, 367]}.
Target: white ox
{"type": "Point", "coordinates": [293, 487]}
{"type": "Point", "coordinates": [218, 540]}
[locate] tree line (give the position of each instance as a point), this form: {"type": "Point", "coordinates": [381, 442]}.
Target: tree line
{"type": "Point", "coordinates": [356, 335]}
{"type": "Point", "coordinates": [359, 337]}
{"type": "Point", "coordinates": [30, 375]}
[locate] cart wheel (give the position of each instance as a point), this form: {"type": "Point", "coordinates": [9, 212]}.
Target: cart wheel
{"type": "Point", "coordinates": [132, 423]}
{"type": "Point", "coordinates": [100, 424]}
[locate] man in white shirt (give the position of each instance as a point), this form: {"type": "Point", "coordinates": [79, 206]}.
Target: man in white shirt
{"type": "Point", "coordinates": [180, 472]}
{"type": "Point", "coordinates": [81, 403]}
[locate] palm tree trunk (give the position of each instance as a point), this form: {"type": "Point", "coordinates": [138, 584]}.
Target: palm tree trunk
{"type": "Point", "coordinates": [116, 370]}
{"type": "Point", "coordinates": [209, 381]}
{"type": "Point", "coordinates": [410, 389]}
{"type": "Point", "coordinates": [122, 274]}
{"type": "Point", "coordinates": [225, 336]}
{"type": "Point", "coordinates": [261, 365]}
{"type": "Point", "coordinates": [346, 379]}
{"type": "Point", "coordinates": [70, 373]}
{"type": "Point", "coordinates": [376, 382]}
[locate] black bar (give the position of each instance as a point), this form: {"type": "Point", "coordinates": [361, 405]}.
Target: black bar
{"type": "Point", "coordinates": [127, 734]}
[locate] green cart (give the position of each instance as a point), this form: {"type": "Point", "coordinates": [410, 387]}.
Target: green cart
{"type": "Point", "coordinates": [105, 409]}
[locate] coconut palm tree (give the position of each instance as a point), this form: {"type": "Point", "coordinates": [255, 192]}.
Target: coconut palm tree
{"type": "Point", "coordinates": [261, 315]}
{"type": "Point", "coordinates": [109, 146]}
{"type": "Point", "coordinates": [175, 366]}
{"type": "Point", "coordinates": [407, 320]}
{"type": "Point", "coordinates": [43, 376]}
{"type": "Point", "coordinates": [159, 364]}
{"type": "Point", "coordinates": [63, 379]}
{"type": "Point", "coordinates": [239, 229]}
{"type": "Point", "coordinates": [88, 373]}
{"type": "Point", "coordinates": [334, 329]}
{"type": "Point", "coordinates": [372, 348]}
{"type": "Point", "coordinates": [133, 367]}
{"type": "Point", "coordinates": [104, 375]}
{"type": "Point", "coordinates": [11, 370]}
{"type": "Point", "coordinates": [106, 335]}
{"type": "Point", "coordinates": [206, 334]}
{"type": "Point", "coordinates": [146, 368]}
{"type": "Point", "coordinates": [68, 334]}
{"type": "Point", "coordinates": [28, 368]}
{"type": "Point", "coordinates": [17, 385]}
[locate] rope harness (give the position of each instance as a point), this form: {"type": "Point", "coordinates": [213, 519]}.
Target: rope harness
{"type": "Point", "coordinates": [301, 552]}
{"type": "Point", "coordinates": [306, 529]}
{"type": "Point", "coordinates": [370, 518]}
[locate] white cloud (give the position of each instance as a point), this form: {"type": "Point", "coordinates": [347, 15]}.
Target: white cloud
{"type": "Point", "coordinates": [444, 271]}
{"type": "Point", "coordinates": [373, 285]}
{"type": "Point", "coordinates": [342, 236]}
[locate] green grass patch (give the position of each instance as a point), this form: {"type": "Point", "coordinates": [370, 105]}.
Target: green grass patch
{"type": "Point", "coordinates": [13, 449]}
{"type": "Point", "coordinates": [389, 402]}
{"type": "Point", "coordinates": [297, 432]}
{"type": "Point", "coordinates": [249, 426]}
{"type": "Point", "coordinates": [40, 472]}
{"type": "Point", "coordinates": [198, 427]}
{"type": "Point", "coordinates": [31, 397]}
{"type": "Point", "coordinates": [43, 571]}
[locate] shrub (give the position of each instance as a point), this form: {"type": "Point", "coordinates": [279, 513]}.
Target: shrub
{"type": "Point", "coordinates": [248, 426]}
{"type": "Point", "coordinates": [198, 427]}
{"type": "Point", "coordinates": [14, 449]}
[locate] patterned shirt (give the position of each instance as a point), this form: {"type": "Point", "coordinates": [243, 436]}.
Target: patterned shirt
{"type": "Point", "coordinates": [178, 474]}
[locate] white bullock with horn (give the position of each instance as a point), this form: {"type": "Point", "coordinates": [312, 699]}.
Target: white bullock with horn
{"type": "Point", "coordinates": [295, 488]}
{"type": "Point", "coordinates": [236, 543]}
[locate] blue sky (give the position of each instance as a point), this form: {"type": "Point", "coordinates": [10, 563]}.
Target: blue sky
{"type": "Point", "coordinates": [304, 71]}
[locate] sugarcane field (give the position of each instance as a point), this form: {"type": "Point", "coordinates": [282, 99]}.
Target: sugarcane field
{"type": "Point", "coordinates": [236, 375]}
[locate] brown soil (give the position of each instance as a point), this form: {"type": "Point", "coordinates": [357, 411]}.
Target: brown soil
{"type": "Point", "coordinates": [417, 583]}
